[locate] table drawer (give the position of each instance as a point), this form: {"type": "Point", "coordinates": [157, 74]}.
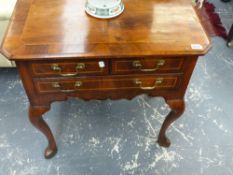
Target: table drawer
{"type": "Point", "coordinates": [70, 68]}
{"type": "Point", "coordinates": [147, 65]}
{"type": "Point", "coordinates": [71, 85]}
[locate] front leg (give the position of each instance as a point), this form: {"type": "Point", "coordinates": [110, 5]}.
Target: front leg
{"type": "Point", "coordinates": [230, 36]}
{"type": "Point", "coordinates": [177, 108]}
{"type": "Point", "coordinates": [35, 116]}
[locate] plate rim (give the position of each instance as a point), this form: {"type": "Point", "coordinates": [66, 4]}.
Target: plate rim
{"type": "Point", "coordinates": [104, 17]}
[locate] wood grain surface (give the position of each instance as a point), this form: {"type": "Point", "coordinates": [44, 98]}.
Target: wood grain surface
{"type": "Point", "coordinates": [58, 28]}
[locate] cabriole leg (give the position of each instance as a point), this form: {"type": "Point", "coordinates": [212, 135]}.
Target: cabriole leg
{"type": "Point", "coordinates": [177, 108]}
{"type": "Point", "coordinates": [230, 36]}
{"type": "Point", "coordinates": [35, 116]}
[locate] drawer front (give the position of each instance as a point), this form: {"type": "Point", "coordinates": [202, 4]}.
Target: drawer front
{"type": "Point", "coordinates": [147, 65]}
{"type": "Point", "coordinates": [70, 68]}
{"type": "Point", "coordinates": [146, 83]}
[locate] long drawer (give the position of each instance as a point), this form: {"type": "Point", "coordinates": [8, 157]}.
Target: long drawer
{"type": "Point", "coordinates": [142, 82]}
{"type": "Point", "coordinates": [69, 68]}
{"type": "Point", "coordinates": [147, 65]}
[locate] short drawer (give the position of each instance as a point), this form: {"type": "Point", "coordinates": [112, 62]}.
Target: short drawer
{"type": "Point", "coordinates": [150, 82]}
{"type": "Point", "coordinates": [158, 65]}
{"type": "Point", "coordinates": [69, 68]}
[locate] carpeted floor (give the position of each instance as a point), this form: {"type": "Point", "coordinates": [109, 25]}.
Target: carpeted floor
{"type": "Point", "coordinates": [118, 137]}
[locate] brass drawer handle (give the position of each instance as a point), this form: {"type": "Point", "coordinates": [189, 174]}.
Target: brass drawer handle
{"type": "Point", "coordinates": [158, 81]}
{"type": "Point", "coordinates": [58, 86]}
{"type": "Point", "coordinates": [57, 68]}
{"type": "Point", "coordinates": [137, 64]}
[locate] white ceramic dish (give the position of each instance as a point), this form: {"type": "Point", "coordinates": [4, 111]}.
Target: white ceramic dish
{"type": "Point", "coordinates": [104, 9]}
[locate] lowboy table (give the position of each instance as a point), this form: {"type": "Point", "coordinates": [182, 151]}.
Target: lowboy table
{"type": "Point", "coordinates": [61, 52]}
